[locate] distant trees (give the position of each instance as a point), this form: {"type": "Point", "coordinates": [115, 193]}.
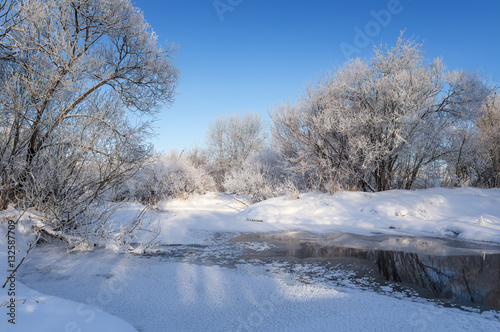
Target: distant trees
{"type": "Point", "coordinates": [376, 125]}
{"type": "Point", "coordinates": [261, 176]}
{"type": "Point", "coordinates": [230, 140]}
{"type": "Point", "coordinates": [71, 74]}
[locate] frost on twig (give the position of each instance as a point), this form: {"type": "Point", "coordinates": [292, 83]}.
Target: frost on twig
{"type": "Point", "coordinates": [128, 239]}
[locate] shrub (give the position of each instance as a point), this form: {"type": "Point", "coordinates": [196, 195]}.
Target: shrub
{"type": "Point", "coordinates": [165, 177]}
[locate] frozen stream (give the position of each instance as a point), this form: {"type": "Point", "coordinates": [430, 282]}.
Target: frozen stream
{"type": "Point", "coordinates": [446, 269]}
{"type": "Point", "coordinates": [292, 281]}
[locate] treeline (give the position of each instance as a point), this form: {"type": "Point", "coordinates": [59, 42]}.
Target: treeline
{"type": "Point", "coordinates": [394, 121]}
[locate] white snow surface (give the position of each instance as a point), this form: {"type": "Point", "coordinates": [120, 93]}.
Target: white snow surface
{"type": "Point", "coordinates": [108, 291]}
{"type": "Point", "coordinates": [467, 213]}
{"type": "Point", "coordinates": [35, 311]}
{"type": "Point", "coordinates": [38, 312]}
{"type": "Point", "coordinates": [470, 214]}
{"type": "Point", "coordinates": [161, 296]}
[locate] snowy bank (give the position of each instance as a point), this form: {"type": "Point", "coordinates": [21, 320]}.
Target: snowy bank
{"type": "Point", "coordinates": [466, 213]}
{"type": "Point", "coordinates": [24, 309]}
{"type": "Point", "coordinates": [38, 312]}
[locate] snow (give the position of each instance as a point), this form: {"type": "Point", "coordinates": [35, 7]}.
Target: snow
{"type": "Point", "coordinates": [468, 213]}
{"type": "Point", "coordinates": [38, 312]}
{"type": "Point", "coordinates": [156, 295]}
{"type": "Point", "coordinates": [35, 311]}
{"type": "Point", "coordinates": [202, 284]}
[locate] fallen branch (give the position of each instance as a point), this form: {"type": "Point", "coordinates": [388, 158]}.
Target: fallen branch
{"type": "Point", "coordinates": [31, 246]}
{"type": "Point", "coordinates": [240, 201]}
{"type": "Point", "coordinates": [69, 239]}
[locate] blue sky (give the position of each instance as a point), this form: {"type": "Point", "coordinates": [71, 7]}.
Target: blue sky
{"type": "Point", "coordinates": [237, 56]}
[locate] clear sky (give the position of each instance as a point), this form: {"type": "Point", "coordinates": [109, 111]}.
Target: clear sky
{"type": "Point", "coordinates": [237, 56]}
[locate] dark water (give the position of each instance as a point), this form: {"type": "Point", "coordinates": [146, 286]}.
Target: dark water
{"type": "Point", "coordinates": [461, 272]}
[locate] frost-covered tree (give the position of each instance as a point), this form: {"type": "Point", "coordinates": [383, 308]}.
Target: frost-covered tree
{"type": "Point", "coordinates": [478, 160]}
{"type": "Point", "coordinates": [230, 140]}
{"type": "Point", "coordinates": [72, 73]}
{"type": "Point", "coordinates": [375, 124]}
{"type": "Point", "coordinates": [489, 139]}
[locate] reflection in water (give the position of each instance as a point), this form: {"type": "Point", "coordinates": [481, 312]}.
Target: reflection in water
{"type": "Point", "coordinates": [450, 269]}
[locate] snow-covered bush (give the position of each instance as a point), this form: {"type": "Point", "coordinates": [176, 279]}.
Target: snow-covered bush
{"type": "Point", "coordinates": [165, 177]}
{"type": "Point", "coordinates": [261, 176]}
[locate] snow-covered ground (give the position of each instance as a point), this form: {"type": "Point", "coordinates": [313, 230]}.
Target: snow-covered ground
{"type": "Point", "coordinates": [468, 214]}
{"type": "Point", "coordinates": [193, 285]}
{"type": "Point", "coordinates": [32, 310]}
